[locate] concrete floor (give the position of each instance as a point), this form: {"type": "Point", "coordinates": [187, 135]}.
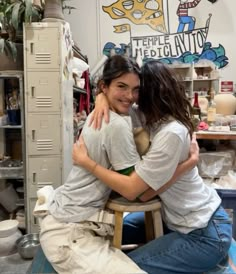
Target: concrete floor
{"type": "Point", "coordinates": [14, 264]}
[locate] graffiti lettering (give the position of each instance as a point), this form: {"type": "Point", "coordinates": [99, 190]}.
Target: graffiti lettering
{"type": "Point", "coordinates": [172, 45]}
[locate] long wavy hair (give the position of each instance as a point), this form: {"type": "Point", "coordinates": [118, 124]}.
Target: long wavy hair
{"type": "Point", "coordinates": [162, 96]}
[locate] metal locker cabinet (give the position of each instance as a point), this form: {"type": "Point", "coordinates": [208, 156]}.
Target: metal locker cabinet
{"type": "Point", "coordinates": [42, 91]}
{"type": "Point", "coordinates": [43, 134]}
{"type": "Point", "coordinates": [44, 171]}
{"type": "Point", "coordinates": [48, 108]}
{"type": "Point", "coordinates": [42, 45]}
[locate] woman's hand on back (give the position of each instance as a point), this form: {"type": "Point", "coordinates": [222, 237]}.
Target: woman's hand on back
{"type": "Point", "coordinates": [101, 110]}
{"type": "Point", "coordinates": [80, 153]}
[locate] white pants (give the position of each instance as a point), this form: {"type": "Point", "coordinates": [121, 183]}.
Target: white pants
{"type": "Point", "coordinates": [82, 248]}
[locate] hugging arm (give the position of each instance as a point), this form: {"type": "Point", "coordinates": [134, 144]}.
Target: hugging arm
{"type": "Point", "coordinates": [129, 186]}
{"type": "Point", "coordinates": [101, 110]}
{"type": "Point", "coordinates": [180, 170]}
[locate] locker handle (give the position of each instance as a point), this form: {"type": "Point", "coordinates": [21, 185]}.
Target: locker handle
{"type": "Point", "coordinates": [34, 178]}
{"type": "Point", "coordinates": [33, 135]}
{"type": "Point", "coordinates": [35, 220]}
{"type": "Point", "coordinates": [32, 48]}
{"type": "Point", "coordinates": [32, 92]}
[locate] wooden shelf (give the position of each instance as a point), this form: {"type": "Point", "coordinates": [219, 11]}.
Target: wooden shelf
{"type": "Point", "coordinates": [11, 127]}
{"type": "Point", "coordinates": [216, 135]}
{"type": "Point", "coordinates": [205, 80]}
{"type": "Point", "coordinates": [11, 73]}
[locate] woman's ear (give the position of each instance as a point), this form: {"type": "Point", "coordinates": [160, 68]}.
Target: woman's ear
{"type": "Point", "coordinates": [103, 88]}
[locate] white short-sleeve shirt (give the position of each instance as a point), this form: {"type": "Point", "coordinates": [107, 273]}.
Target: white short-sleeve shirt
{"type": "Point", "coordinates": [188, 204]}
{"type": "Point", "coordinates": [82, 195]}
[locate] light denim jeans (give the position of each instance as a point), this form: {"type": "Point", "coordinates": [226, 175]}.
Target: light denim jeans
{"type": "Point", "coordinates": [196, 252]}
{"type": "Point", "coordinates": [186, 20]}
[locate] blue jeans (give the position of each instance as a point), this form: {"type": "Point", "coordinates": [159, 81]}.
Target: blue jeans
{"type": "Point", "coordinates": [186, 20]}
{"type": "Point", "coordinates": [195, 252]}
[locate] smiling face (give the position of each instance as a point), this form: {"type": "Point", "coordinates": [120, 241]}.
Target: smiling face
{"type": "Point", "coordinates": [122, 92]}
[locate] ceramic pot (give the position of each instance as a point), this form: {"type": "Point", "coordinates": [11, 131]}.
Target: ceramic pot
{"type": "Point", "coordinates": [9, 234]}
{"type": "Point", "coordinates": [225, 103]}
{"type": "Point", "coordinates": [53, 10]}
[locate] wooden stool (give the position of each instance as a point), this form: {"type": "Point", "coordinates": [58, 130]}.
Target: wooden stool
{"type": "Point", "coordinates": [153, 221]}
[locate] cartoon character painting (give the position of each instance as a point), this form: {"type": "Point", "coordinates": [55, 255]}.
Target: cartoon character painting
{"type": "Point", "coordinates": [186, 45]}
{"type": "Point", "coordinates": [184, 17]}
{"type": "Point", "coordinates": [139, 12]}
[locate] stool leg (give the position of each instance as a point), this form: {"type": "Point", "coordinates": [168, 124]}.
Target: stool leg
{"type": "Point", "coordinates": [149, 226]}
{"type": "Point", "coordinates": [118, 229]}
{"type": "Point", "coordinates": [157, 223]}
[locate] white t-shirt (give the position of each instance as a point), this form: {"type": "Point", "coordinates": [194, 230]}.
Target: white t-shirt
{"type": "Point", "coordinates": [188, 204]}
{"type": "Point", "coordinates": [82, 195]}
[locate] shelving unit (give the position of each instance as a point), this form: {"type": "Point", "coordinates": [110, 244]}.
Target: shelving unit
{"type": "Point", "coordinates": [12, 138]}
{"type": "Point", "coordinates": [198, 77]}
{"type": "Point", "coordinates": [227, 195]}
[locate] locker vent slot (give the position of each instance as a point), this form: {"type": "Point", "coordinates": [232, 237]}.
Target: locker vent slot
{"type": "Point", "coordinates": [44, 145]}
{"type": "Point", "coordinates": [43, 58]}
{"type": "Point", "coordinates": [43, 102]}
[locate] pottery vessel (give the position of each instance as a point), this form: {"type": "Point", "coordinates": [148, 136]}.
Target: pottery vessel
{"type": "Point", "coordinates": [225, 103]}
{"type": "Point", "coordinates": [9, 234]}
{"type": "Point", "coordinates": [53, 10]}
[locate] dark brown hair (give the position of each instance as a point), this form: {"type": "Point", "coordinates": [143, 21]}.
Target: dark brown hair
{"type": "Point", "coordinates": [161, 95]}
{"type": "Point", "coordinates": [115, 67]}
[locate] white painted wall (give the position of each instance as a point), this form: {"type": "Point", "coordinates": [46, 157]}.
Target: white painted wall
{"type": "Point", "coordinates": [87, 33]}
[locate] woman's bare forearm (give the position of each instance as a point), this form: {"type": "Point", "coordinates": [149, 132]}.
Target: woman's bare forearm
{"type": "Point", "coordinates": [101, 110]}
{"type": "Point", "coordinates": [128, 186]}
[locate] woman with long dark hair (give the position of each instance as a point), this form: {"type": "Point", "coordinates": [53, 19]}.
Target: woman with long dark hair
{"type": "Point", "coordinates": [199, 229]}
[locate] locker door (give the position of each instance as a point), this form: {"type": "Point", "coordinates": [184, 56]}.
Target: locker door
{"type": "Point", "coordinates": [44, 134]}
{"type": "Point", "coordinates": [43, 171]}
{"type": "Point", "coordinates": [32, 221]}
{"type": "Point", "coordinates": [42, 47]}
{"type": "Point", "coordinates": [43, 91]}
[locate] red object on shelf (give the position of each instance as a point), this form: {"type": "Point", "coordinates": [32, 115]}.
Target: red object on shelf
{"type": "Point", "coordinates": [195, 102]}
{"type": "Point", "coordinates": [227, 86]}
{"type": "Point", "coordinates": [202, 126]}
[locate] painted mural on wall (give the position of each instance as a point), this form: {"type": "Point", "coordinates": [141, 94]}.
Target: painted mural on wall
{"type": "Point", "coordinates": [186, 44]}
